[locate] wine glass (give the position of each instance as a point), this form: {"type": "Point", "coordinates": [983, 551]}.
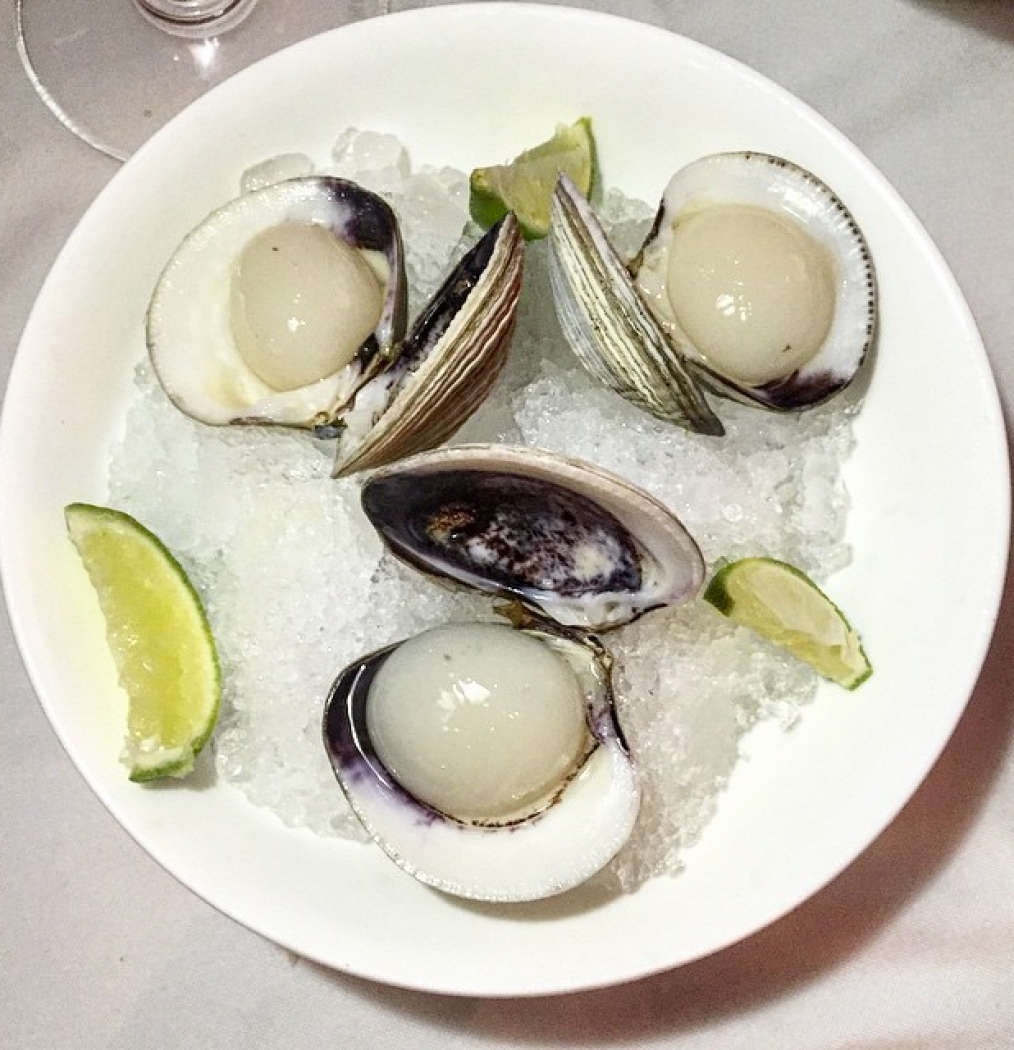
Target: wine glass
{"type": "Point", "coordinates": [114, 71]}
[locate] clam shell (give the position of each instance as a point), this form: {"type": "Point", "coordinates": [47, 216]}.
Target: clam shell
{"type": "Point", "coordinates": [577, 544]}
{"type": "Point", "coordinates": [569, 838]}
{"type": "Point", "coordinates": [775, 184]}
{"type": "Point", "coordinates": [188, 328]}
{"type": "Point", "coordinates": [449, 362]}
{"type": "Point", "coordinates": [607, 324]}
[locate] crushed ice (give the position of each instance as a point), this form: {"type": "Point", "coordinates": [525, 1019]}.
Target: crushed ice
{"type": "Point", "coordinates": [297, 585]}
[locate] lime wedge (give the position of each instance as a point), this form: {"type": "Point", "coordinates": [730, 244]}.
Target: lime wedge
{"type": "Point", "coordinates": [525, 186]}
{"type": "Point", "coordinates": [159, 637]}
{"type": "Point", "coordinates": [785, 606]}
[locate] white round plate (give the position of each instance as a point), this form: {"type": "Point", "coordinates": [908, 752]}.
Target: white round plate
{"type": "Point", "coordinates": [465, 85]}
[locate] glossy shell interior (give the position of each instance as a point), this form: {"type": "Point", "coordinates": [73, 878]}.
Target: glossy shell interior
{"type": "Point", "coordinates": [189, 331]}
{"type": "Point", "coordinates": [578, 544]}
{"type": "Point", "coordinates": [572, 835]}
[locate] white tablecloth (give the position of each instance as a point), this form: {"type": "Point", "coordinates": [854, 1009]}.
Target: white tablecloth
{"type": "Point", "coordinates": [913, 946]}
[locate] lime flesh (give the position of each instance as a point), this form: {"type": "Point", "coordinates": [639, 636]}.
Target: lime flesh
{"type": "Point", "coordinates": [785, 606]}
{"type": "Point", "coordinates": [525, 185]}
{"type": "Point", "coordinates": [159, 637]}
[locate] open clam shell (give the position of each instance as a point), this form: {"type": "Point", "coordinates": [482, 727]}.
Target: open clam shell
{"type": "Point", "coordinates": [761, 275]}
{"type": "Point", "coordinates": [191, 335]}
{"type": "Point", "coordinates": [577, 543]}
{"type": "Point", "coordinates": [573, 825]}
{"type": "Point", "coordinates": [754, 283]}
{"type": "Point", "coordinates": [487, 760]}
{"type": "Point", "coordinates": [399, 393]}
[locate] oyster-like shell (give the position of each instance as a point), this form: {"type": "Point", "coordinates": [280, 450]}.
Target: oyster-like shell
{"type": "Point", "coordinates": [190, 332]}
{"type": "Point", "coordinates": [577, 543]}
{"type": "Point", "coordinates": [558, 840]}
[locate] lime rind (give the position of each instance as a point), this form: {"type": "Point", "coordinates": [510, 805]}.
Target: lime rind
{"type": "Point", "coordinates": [160, 765]}
{"type": "Point", "coordinates": [782, 604]}
{"type": "Point", "coordinates": [159, 636]}
{"type": "Point", "coordinates": [525, 185]}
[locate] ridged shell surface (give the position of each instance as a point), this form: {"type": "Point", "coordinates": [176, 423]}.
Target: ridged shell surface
{"type": "Point", "coordinates": [450, 360]}
{"type": "Point", "coordinates": [605, 321]}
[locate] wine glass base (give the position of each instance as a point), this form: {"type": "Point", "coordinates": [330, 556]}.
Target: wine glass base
{"type": "Point", "coordinates": [195, 19]}
{"type": "Point", "coordinates": [113, 78]}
